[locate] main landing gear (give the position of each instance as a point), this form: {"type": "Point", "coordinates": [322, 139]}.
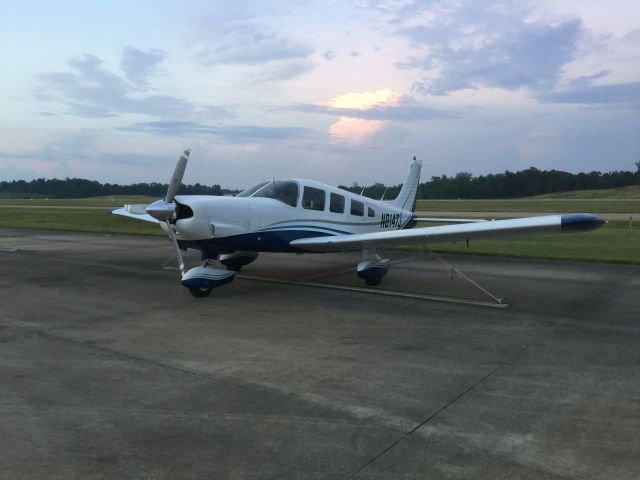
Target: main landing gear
{"type": "Point", "coordinates": [372, 268]}
{"type": "Point", "coordinates": [236, 260]}
{"type": "Point", "coordinates": [373, 280]}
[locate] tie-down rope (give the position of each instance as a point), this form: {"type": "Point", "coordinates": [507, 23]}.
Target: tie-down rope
{"type": "Point", "coordinates": [453, 270]}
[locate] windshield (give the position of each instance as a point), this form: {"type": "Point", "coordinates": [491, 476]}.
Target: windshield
{"type": "Point", "coordinates": [247, 192]}
{"type": "Point", "coordinates": [282, 190]}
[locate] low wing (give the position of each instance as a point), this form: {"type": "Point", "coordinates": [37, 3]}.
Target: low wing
{"type": "Point", "coordinates": [452, 233]}
{"type": "Point", "coordinates": [134, 211]}
{"type": "Point", "coordinates": [448, 220]}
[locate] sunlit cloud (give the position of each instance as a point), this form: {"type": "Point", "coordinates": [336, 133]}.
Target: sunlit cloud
{"type": "Point", "coordinates": [356, 130]}
{"type": "Point", "coordinates": [365, 100]}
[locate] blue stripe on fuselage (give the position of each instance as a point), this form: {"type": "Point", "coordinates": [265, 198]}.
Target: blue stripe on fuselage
{"type": "Point", "coordinates": [263, 241]}
{"type": "Point", "coordinates": [303, 227]}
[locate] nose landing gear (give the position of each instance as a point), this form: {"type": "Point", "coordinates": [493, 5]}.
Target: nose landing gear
{"type": "Point", "coordinates": [201, 280]}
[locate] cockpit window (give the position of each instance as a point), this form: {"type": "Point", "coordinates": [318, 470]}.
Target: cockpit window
{"type": "Point", "coordinates": [247, 192]}
{"type": "Point", "coordinates": [282, 190]}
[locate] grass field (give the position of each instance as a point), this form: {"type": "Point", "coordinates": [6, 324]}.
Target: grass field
{"type": "Point", "coordinates": [112, 202]}
{"type": "Point", "coordinates": [613, 200]}
{"type": "Point", "coordinates": [533, 204]}
{"type": "Point", "coordinates": [622, 193]}
{"type": "Point", "coordinates": [614, 242]}
{"type": "Point", "coordinates": [74, 219]}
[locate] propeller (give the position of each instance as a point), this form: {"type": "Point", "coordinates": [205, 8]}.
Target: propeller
{"type": "Point", "coordinates": [165, 210]}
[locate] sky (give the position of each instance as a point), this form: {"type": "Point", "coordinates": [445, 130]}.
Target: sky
{"type": "Point", "coordinates": [336, 91]}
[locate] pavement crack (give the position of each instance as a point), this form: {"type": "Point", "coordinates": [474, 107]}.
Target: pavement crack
{"type": "Point", "coordinates": [509, 361]}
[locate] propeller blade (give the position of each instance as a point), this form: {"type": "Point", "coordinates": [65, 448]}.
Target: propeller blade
{"type": "Point", "coordinates": [176, 179]}
{"type": "Point", "coordinates": [174, 240]}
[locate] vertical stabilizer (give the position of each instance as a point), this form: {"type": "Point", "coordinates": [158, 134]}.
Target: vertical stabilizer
{"type": "Point", "coordinates": [406, 199]}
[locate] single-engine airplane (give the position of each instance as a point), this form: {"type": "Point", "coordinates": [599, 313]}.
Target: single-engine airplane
{"type": "Point", "coordinates": [301, 216]}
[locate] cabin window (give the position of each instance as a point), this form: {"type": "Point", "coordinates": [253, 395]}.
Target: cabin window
{"type": "Point", "coordinates": [357, 208]}
{"type": "Point", "coordinates": [336, 205]}
{"type": "Point", "coordinates": [313, 198]}
{"type": "Point", "coordinates": [371, 212]}
{"type": "Point", "coordinates": [282, 190]}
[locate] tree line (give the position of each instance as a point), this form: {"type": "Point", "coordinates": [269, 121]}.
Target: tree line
{"type": "Point", "coordinates": [524, 183]}
{"type": "Point", "coordinates": [462, 185]}
{"type": "Point", "coordinates": [82, 188]}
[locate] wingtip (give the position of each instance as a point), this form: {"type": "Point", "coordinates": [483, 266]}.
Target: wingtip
{"type": "Point", "coordinates": [580, 222]}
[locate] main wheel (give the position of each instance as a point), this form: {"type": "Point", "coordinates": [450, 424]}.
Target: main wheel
{"type": "Point", "coordinates": [233, 266]}
{"type": "Point", "coordinates": [200, 292]}
{"type": "Point", "coordinates": [373, 280]}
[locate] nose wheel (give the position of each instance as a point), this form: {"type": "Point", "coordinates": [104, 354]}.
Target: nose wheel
{"type": "Point", "coordinates": [200, 292]}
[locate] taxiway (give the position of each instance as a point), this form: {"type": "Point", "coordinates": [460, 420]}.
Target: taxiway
{"type": "Point", "coordinates": [110, 369]}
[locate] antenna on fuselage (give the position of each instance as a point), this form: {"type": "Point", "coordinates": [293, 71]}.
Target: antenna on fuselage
{"type": "Point", "coordinates": [383, 193]}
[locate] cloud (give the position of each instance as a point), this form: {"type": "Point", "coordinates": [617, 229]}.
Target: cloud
{"type": "Point", "coordinates": [367, 116]}
{"type": "Point", "coordinates": [622, 94]}
{"type": "Point", "coordinates": [230, 133]}
{"type": "Point", "coordinates": [587, 80]}
{"type": "Point", "coordinates": [329, 54]}
{"type": "Point", "coordinates": [127, 159]}
{"type": "Point", "coordinates": [242, 42]}
{"type": "Point", "coordinates": [285, 70]}
{"type": "Point", "coordinates": [89, 90]}
{"type": "Point", "coordinates": [354, 130]}
{"type": "Point", "coordinates": [139, 65]}
{"type": "Point", "coordinates": [364, 100]}
{"type": "Point", "coordinates": [476, 44]}
{"type": "Point", "coordinates": [405, 110]}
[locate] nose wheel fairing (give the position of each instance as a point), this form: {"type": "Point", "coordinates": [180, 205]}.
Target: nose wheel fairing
{"type": "Point", "coordinates": [201, 280]}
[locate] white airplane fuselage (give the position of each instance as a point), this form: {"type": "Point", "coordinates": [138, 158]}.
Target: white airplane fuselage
{"type": "Point", "coordinates": [228, 224]}
{"type": "Point", "coordinates": [305, 216]}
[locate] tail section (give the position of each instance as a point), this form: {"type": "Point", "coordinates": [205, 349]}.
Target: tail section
{"type": "Point", "coordinates": [406, 199]}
